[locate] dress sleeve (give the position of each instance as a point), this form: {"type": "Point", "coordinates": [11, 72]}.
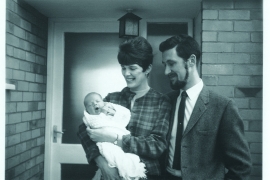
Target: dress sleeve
{"type": "Point", "coordinates": [154, 144]}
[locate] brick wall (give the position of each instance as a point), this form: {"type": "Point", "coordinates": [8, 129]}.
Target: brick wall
{"type": "Point", "coordinates": [232, 63]}
{"type": "Point", "coordinates": [26, 51]}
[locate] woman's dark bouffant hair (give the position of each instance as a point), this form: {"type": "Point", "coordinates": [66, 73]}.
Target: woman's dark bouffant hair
{"type": "Point", "coordinates": [186, 46]}
{"type": "Point", "coordinates": [136, 51]}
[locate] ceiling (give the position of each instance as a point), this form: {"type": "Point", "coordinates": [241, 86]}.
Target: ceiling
{"type": "Point", "coordinates": [103, 9]}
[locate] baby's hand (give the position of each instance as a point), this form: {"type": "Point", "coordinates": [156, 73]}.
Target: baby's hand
{"type": "Point", "coordinates": [108, 109]}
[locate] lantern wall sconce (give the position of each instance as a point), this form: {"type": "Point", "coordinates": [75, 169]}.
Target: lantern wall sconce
{"type": "Point", "coordinates": [129, 25]}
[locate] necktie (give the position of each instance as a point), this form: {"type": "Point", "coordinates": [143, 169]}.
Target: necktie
{"type": "Point", "coordinates": [179, 132]}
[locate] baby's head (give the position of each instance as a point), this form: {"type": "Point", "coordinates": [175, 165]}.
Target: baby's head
{"type": "Point", "coordinates": [93, 103]}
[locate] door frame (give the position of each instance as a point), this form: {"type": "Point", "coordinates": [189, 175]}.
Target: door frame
{"type": "Point", "coordinates": [57, 28]}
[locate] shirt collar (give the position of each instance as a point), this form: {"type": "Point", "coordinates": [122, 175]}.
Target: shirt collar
{"type": "Point", "coordinates": [194, 91]}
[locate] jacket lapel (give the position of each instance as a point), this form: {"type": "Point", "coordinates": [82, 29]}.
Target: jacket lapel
{"type": "Point", "coordinates": [198, 110]}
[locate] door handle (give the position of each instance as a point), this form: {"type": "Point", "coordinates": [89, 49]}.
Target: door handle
{"type": "Point", "coordinates": [55, 132]}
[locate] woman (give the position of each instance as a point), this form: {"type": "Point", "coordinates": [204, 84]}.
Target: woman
{"type": "Point", "coordinates": [150, 111]}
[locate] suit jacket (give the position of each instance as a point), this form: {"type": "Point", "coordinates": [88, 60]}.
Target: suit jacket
{"type": "Point", "coordinates": [213, 144]}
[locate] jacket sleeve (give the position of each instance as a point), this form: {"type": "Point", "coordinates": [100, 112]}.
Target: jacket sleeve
{"type": "Point", "coordinates": [234, 145]}
{"type": "Point", "coordinates": [90, 147]}
{"type": "Point", "coordinates": [154, 144]}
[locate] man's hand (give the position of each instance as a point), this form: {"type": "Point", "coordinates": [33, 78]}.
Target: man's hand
{"type": "Point", "coordinates": [108, 173]}
{"type": "Point", "coordinates": [101, 134]}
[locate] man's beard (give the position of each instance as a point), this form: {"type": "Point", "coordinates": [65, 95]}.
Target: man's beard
{"type": "Point", "coordinates": [180, 84]}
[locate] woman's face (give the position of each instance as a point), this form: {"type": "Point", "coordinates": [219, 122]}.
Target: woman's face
{"type": "Point", "coordinates": [135, 78]}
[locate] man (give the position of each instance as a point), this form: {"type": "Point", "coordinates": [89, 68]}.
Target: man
{"type": "Point", "coordinates": [209, 137]}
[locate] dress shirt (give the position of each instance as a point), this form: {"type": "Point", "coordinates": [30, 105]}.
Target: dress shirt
{"type": "Point", "coordinates": [193, 94]}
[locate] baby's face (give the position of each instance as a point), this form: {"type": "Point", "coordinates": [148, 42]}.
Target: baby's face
{"type": "Point", "coordinates": [94, 104]}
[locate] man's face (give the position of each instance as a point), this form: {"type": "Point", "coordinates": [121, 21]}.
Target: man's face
{"type": "Point", "coordinates": [175, 69]}
{"type": "Point", "coordinates": [134, 76]}
{"type": "Point", "coordinates": [94, 104]}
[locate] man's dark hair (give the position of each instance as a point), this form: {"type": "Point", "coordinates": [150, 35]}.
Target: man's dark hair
{"type": "Point", "coordinates": [186, 46]}
{"type": "Point", "coordinates": [136, 51]}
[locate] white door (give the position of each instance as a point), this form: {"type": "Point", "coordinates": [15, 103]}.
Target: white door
{"type": "Point", "coordinates": [60, 151]}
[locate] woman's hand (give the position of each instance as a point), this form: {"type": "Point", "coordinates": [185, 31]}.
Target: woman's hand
{"type": "Point", "coordinates": [101, 134]}
{"type": "Point", "coordinates": [108, 173]}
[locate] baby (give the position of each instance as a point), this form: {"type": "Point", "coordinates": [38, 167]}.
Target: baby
{"type": "Point", "coordinates": [100, 114]}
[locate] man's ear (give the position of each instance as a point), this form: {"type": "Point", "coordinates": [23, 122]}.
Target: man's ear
{"type": "Point", "coordinates": [192, 60]}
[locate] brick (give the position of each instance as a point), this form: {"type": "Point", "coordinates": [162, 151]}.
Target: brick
{"type": "Point", "coordinates": [37, 96]}
{"type": "Point", "coordinates": [15, 96]}
{"type": "Point", "coordinates": [217, 69]}
{"type": "Point", "coordinates": [19, 169]}
{"type": "Point", "coordinates": [248, 25]}
{"type": "Point", "coordinates": [30, 77]}
{"type": "Point", "coordinates": [35, 133]}
{"type": "Point", "coordinates": [41, 42]}
{"type": "Point", "coordinates": [9, 50]}
{"type": "Point", "coordinates": [20, 148]}
{"type": "Point", "coordinates": [40, 141]}
{"type": "Point", "coordinates": [248, 4]}
{"type": "Point", "coordinates": [34, 87]}
{"type": "Point", "coordinates": [26, 116]}
{"type": "Point", "coordinates": [33, 106]}
{"type": "Point", "coordinates": [35, 151]}
{"type": "Point", "coordinates": [11, 107]}
{"type": "Point", "coordinates": [242, 102]}
{"type": "Point", "coordinates": [256, 37]}
{"type": "Point", "coordinates": [255, 103]}
{"type": "Point", "coordinates": [30, 163]}
{"type": "Point", "coordinates": [209, 36]}
{"type": "Point", "coordinates": [256, 158]}
{"type": "Point", "coordinates": [12, 40]}
{"type": "Point", "coordinates": [234, 80]}
{"type": "Point", "coordinates": [14, 161]}
{"type": "Point", "coordinates": [25, 156]}
{"type": "Point", "coordinates": [256, 80]}
{"type": "Point", "coordinates": [31, 38]}
{"type": "Point", "coordinates": [256, 147]}
{"type": "Point", "coordinates": [233, 37]}
{"type": "Point", "coordinates": [19, 75]}
{"type": "Point", "coordinates": [22, 106]}
{"type": "Point", "coordinates": [31, 143]}
{"type": "Point", "coordinates": [209, 14]}
{"type": "Point", "coordinates": [13, 139]}
{"type": "Point", "coordinates": [248, 47]}
{"type": "Point", "coordinates": [40, 159]}
{"type": "Point", "coordinates": [217, 47]}
{"type": "Point", "coordinates": [21, 127]}
{"type": "Point", "coordinates": [255, 126]}
{"type": "Point", "coordinates": [39, 78]}
{"type": "Point", "coordinates": [18, 53]}
{"type": "Point", "coordinates": [28, 96]}
{"type": "Point", "coordinates": [214, 25]}
{"type": "Point", "coordinates": [24, 45]}
{"type": "Point", "coordinates": [30, 57]}
{"type": "Point", "coordinates": [41, 105]}
{"type": "Point", "coordinates": [233, 58]}
{"type": "Point", "coordinates": [9, 73]}
{"type": "Point", "coordinates": [25, 66]}
{"type": "Point", "coordinates": [25, 25]}
{"type": "Point", "coordinates": [33, 124]}
{"type": "Point", "coordinates": [217, 5]}
{"type": "Point", "coordinates": [209, 80]}
{"type": "Point", "coordinates": [256, 58]}
{"type": "Point", "coordinates": [43, 114]}
{"type": "Point", "coordinates": [25, 136]}
{"type": "Point", "coordinates": [23, 86]}
{"type": "Point", "coordinates": [10, 151]}
{"type": "Point", "coordinates": [246, 123]}
{"type": "Point", "coordinates": [40, 60]}
{"type": "Point", "coordinates": [36, 115]}
{"type": "Point", "coordinates": [251, 114]}
{"type": "Point", "coordinates": [247, 69]}
{"type": "Point", "coordinates": [234, 14]}
{"type": "Point", "coordinates": [10, 129]}
{"type": "Point", "coordinates": [34, 170]}
{"type": "Point", "coordinates": [19, 32]}
{"type": "Point", "coordinates": [10, 5]}
{"type": "Point", "coordinates": [256, 15]}
{"type": "Point", "coordinates": [14, 118]}
{"type": "Point", "coordinates": [12, 63]}
{"type": "Point", "coordinates": [224, 90]}
{"type": "Point", "coordinates": [254, 137]}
